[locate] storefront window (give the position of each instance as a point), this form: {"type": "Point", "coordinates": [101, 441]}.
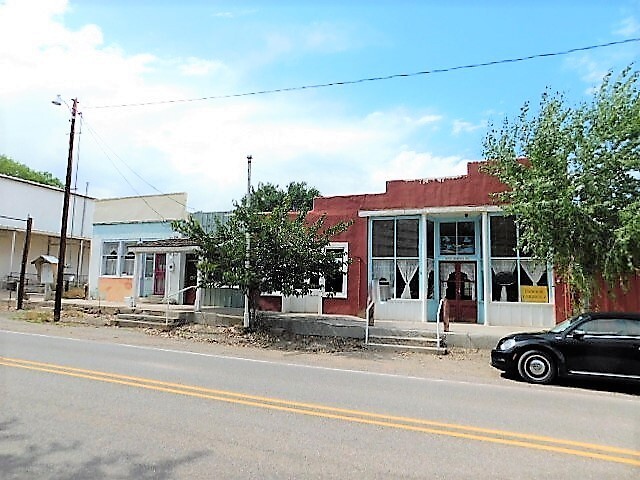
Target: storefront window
{"type": "Point", "coordinates": [457, 238]}
{"type": "Point", "coordinates": [514, 277]}
{"type": "Point", "coordinates": [395, 255]}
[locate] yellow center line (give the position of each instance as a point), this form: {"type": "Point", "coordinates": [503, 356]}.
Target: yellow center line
{"type": "Point", "coordinates": [537, 442]}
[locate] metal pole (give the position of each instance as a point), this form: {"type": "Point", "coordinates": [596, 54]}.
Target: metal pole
{"type": "Point", "coordinates": [248, 246]}
{"type": "Point", "coordinates": [57, 306]}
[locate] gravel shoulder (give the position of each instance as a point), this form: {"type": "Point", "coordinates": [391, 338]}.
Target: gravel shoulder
{"type": "Point", "coordinates": [329, 352]}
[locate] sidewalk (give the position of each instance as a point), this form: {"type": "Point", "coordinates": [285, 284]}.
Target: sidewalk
{"type": "Point", "coordinates": [462, 335]}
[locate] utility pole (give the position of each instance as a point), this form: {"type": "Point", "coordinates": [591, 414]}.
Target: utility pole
{"type": "Point", "coordinates": [57, 306]}
{"type": "Point", "coordinates": [23, 265]}
{"type": "Point", "coordinates": [248, 245]}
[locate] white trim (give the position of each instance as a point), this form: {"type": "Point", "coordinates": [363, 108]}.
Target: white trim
{"type": "Point", "coordinates": [345, 280]}
{"type": "Point", "coordinates": [429, 210]}
{"type": "Point", "coordinates": [165, 249]}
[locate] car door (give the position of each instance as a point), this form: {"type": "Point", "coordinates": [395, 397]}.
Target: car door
{"type": "Point", "coordinates": [595, 347]}
{"type": "Point", "coordinates": [629, 338]}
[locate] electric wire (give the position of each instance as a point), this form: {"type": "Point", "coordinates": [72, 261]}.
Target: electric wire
{"type": "Point", "coordinates": [374, 79]}
{"type": "Point", "coordinates": [102, 144]}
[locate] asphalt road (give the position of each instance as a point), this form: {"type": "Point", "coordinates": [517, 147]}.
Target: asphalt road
{"type": "Point", "coordinates": [116, 406]}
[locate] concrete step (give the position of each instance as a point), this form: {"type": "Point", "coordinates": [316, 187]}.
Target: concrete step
{"type": "Point", "coordinates": [142, 320]}
{"type": "Point", "coordinates": [408, 341]}
{"type": "Point", "coordinates": [400, 347]}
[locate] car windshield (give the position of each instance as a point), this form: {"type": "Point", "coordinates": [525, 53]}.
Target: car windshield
{"type": "Point", "coordinates": [561, 327]}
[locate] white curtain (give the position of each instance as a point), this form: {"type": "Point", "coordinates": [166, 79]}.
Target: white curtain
{"type": "Point", "coordinates": [383, 269]}
{"type": "Point", "coordinates": [446, 269]}
{"type": "Point", "coordinates": [470, 271]}
{"type": "Point", "coordinates": [503, 266]}
{"type": "Point", "coordinates": [408, 269]}
{"type": "Point", "coordinates": [534, 269]}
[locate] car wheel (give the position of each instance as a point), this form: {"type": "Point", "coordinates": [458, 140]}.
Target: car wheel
{"type": "Point", "coordinates": [535, 366]}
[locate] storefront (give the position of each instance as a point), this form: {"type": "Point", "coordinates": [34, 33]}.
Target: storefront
{"type": "Point", "coordinates": [425, 240]}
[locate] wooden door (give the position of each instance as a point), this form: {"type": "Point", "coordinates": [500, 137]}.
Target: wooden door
{"type": "Point", "coordinates": [190, 279]}
{"type": "Point", "coordinates": [159, 273]}
{"type": "Point", "coordinates": [458, 287]}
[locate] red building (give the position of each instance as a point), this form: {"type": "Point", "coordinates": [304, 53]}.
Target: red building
{"type": "Point", "coordinates": [424, 240]}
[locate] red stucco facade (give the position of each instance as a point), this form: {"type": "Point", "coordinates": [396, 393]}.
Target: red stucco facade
{"type": "Point", "coordinates": [470, 190]}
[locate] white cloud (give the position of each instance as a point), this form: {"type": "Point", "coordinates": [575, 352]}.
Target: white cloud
{"type": "Point", "coordinates": [461, 126]}
{"type": "Point", "coordinates": [196, 147]}
{"type": "Point", "coordinates": [629, 27]}
{"type": "Point", "coordinates": [415, 165]}
{"type": "Point", "coordinates": [193, 66]}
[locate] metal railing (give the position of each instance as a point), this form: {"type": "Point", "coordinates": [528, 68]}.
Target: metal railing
{"type": "Point", "coordinates": [168, 297]}
{"type": "Point", "coordinates": [369, 318]}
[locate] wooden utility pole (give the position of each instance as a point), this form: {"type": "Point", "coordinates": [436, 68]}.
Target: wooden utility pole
{"type": "Point", "coordinates": [57, 306]}
{"type": "Point", "coordinates": [23, 266]}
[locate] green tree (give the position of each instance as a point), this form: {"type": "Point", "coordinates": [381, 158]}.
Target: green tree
{"type": "Point", "coordinates": [15, 169]}
{"type": "Point", "coordinates": [286, 251]}
{"type": "Point", "coordinates": [297, 197]}
{"type": "Point", "coordinates": [574, 182]}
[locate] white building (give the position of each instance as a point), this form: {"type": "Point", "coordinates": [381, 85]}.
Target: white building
{"type": "Point", "coordinates": [20, 199]}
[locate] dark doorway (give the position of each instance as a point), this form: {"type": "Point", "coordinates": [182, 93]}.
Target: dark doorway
{"type": "Point", "coordinates": [458, 287]}
{"type": "Point", "coordinates": [190, 279]}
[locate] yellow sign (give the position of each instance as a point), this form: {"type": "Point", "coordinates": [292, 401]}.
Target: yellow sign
{"type": "Point", "coordinates": [534, 294]}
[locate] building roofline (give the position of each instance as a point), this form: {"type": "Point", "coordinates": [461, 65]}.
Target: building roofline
{"type": "Point", "coordinates": [37, 184]}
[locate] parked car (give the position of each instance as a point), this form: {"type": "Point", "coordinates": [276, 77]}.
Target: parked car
{"type": "Point", "coordinates": [587, 345]}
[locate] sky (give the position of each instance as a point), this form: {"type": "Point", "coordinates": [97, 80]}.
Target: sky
{"type": "Point", "coordinates": [168, 102]}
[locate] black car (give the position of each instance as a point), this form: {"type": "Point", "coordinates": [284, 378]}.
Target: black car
{"type": "Point", "coordinates": [587, 345]}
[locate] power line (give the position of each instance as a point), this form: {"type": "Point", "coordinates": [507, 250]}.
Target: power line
{"type": "Point", "coordinates": [102, 144]}
{"type": "Point", "coordinates": [374, 79]}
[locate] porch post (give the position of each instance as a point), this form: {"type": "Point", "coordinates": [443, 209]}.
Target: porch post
{"type": "Point", "coordinates": [136, 276]}
{"type": "Point", "coordinates": [197, 305]}
{"type": "Point", "coordinates": [424, 279]}
{"type": "Point", "coordinates": [486, 267]}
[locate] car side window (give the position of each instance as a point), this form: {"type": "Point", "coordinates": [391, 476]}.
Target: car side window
{"type": "Point", "coordinates": [629, 327]}
{"type": "Point", "coordinates": [600, 326]}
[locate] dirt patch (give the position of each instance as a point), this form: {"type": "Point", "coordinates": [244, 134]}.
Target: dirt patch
{"type": "Point", "coordinates": [260, 338]}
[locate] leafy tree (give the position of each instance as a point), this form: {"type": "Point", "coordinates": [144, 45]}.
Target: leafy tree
{"type": "Point", "coordinates": [574, 182]}
{"type": "Point", "coordinates": [298, 197]}
{"type": "Point", "coordinates": [286, 251]}
{"type": "Point", "coordinates": [15, 169]}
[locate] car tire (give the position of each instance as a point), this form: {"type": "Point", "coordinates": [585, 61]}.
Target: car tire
{"type": "Point", "coordinates": [535, 366]}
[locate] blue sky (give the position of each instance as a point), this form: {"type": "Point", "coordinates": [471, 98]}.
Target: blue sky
{"type": "Point", "coordinates": [342, 140]}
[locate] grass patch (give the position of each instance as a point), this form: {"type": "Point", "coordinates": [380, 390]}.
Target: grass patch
{"type": "Point", "coordinates": [34, 316]}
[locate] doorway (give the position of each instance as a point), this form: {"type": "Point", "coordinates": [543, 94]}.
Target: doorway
{"type": "Point", "coordinates": [190, 279]}
{"type": "Point", "coordinates": [159, 273]}
{"type": "Point", "coordinates": [458, 282]}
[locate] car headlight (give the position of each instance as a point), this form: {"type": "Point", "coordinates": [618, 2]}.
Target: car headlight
{"type": "Point", "coordinates": [508, 344]}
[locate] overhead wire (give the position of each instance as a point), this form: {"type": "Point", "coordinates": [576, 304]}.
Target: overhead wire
{"type": "Point", "coordinates": [102, 144]}
{"type": "Point", "coordinates": [94, 135]}
{"type": "Point", "coordinates": [372, 79]}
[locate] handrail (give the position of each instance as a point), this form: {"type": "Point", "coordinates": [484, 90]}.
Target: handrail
{"type": "Point", "coordinates": [366, 328]}
{"type": "Point", "coordinates": [440, 304]}
{"type": "Point", "coordinates": [168, 299]}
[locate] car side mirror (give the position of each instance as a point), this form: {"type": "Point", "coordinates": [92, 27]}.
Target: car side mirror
{"type": "Point", "coordinates": [578, 334]}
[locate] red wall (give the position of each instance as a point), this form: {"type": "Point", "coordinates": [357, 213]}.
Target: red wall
{"type": "Point", "coordinates": [473, 189]}
{"type": "Point", "coordinates": [606, 300]}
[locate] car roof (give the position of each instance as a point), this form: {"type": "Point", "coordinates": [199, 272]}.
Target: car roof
{"type": "Point", "coordinates": [628, 315]}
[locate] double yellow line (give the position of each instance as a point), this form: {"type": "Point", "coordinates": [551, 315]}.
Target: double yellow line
{"type": "Point", "coordinates": [535, 442]}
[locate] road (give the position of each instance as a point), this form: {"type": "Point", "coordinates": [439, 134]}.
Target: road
{"type": "Point", "coordinates": [118, 406]}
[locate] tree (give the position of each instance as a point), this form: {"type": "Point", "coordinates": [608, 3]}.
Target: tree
{"type": "Point", "coordinates": [286, 251]}
{"type": "Point", "coordinates": [297, 197]}
{"type": "Point", "coordinates": [574, 182]}
{"type": "Point", "coordinates": [15, 169]}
